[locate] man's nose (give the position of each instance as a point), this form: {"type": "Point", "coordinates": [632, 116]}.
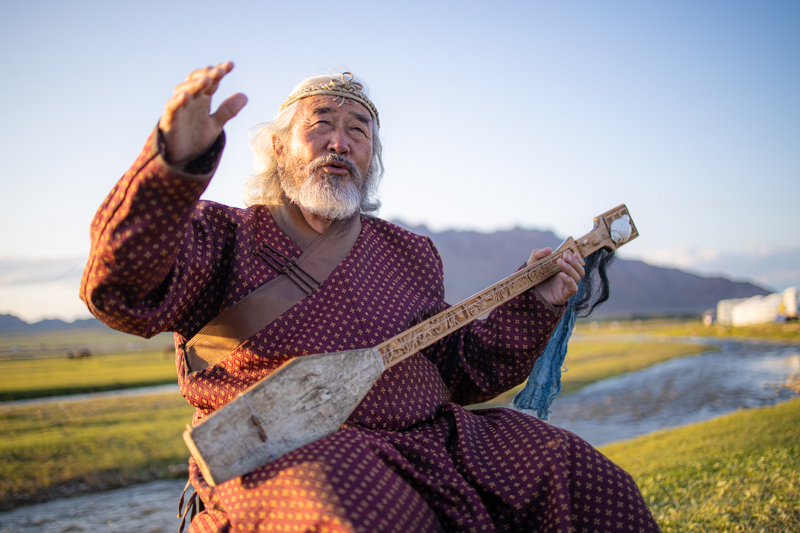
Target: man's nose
{"type": "Point", "coordinates": [338, 141]}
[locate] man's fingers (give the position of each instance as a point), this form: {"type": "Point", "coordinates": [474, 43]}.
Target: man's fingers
{"type": "Point", "coordinates": [576, 262]}
{"type": "Point", "coordinates": [200, 73]}
{"type": "Point", "coordinates": [183, 94]}
{"type": "Point", "coordinates": [172, 105]}
{"type": "Point", "coordinates": [539, 254]}
{"type": "Point", "coordinates": [229, 109]}
{"type": "Point", "coordinates": [193, 86]}
{"type": "Point", "coordinates": [201, 83]}
{"type": "Point", "coordinates": [567, 267]}
{"type": "Point", "coordinates": [570, 285]}
{"type": "Point", "coordinates": [213, 75]}
{"type": "Point", "coordinates": [210, 76]}
{"type": "Point", "coordinates": [219, 72]}
{"type": "Point", "coordinates": [176, 101]}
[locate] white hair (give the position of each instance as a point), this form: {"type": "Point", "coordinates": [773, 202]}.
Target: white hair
{"type": "Point", "coordinates": [264, 187]}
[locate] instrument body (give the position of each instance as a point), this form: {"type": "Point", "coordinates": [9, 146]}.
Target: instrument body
{"type": "Point", "coordinates": [311, 396]}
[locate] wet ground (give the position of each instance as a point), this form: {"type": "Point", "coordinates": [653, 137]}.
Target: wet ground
{"type": "Point", "coordinates": [140, 391]}
{"type": "Point", "coordinates": [681, 391]}
{"type": "Point", "coordinates": [147, 508]}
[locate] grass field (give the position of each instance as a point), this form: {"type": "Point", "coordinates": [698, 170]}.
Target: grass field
{"type": "Point", "coordinates": [737, 473]}
{"type": "Point", "coordinates": [34, 378]}
{"type": "Point", "coordinates": [740, 472]}
{"type": "Point", "coordinates": [588, 362]}
{"type": "Point", "coordinates": [50, 373]}
{"type": "Point", "coordinates": [40, 377]}
{"type": "Point", "coordinates": [54, 450]}
{"type": "Point", "coordinates": [783, 331]}
{"type": "Point", "coordinates": [58, 343]}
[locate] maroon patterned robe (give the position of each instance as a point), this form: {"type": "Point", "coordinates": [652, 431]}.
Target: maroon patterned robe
{"type": "Point", "coordinates": [410, 458]}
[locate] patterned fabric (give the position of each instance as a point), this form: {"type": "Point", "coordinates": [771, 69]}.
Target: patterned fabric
{"type": "Point", "coordinates": [409, 458]}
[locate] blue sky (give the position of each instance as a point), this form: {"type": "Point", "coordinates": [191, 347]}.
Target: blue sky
{"type": "Point", "coordinates": [495, 115]}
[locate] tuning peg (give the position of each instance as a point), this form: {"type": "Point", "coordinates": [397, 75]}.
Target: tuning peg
{"type": "Point", "coordinates": [621, 229]}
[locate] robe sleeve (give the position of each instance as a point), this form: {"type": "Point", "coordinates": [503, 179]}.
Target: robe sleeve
{"type": "Point", "coordinates": [488, 357]}
{"type": "Point", "coordinates": [150, 255]}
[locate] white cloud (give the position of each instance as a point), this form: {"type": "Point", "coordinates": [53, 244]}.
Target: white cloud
{"type": "Point", "coordinates": [51, 299]}
{"type": "Point", "coordinates": [772, 268]}
{"type": "Point", "coordinates": [37, 288]}
{"type": "Point", "coordinates": [681, 257]}
{"type": "Point", "coordinates": [14, 270]}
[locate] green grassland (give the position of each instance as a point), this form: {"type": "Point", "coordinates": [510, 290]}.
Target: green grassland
{"type": "Point", "coordinates": [52, 450]}
{"type": "Point", "coordinates": [37, 377]}
{"type": "Point", "coordinates": [780, 331]}
{"type": "Point", "coordinates": [36, 365]}
{"type": "Point", "coordinates": [588, 362]}
{"type": "Point", "coordinates": [58, 343]}
{"type": "Point", "coordinates": [739, 472]}
{"type": "Point", "coordinates": [736, 473]}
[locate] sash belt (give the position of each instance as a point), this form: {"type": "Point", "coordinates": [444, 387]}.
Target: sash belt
{"type": "Point", "coordinates": [297, 279]}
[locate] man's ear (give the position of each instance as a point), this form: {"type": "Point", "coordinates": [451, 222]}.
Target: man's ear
{"type": "Point", "coordinates": [277, 148]}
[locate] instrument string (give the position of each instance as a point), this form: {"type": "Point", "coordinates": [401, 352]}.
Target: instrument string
{"type": "Point", "coordinates": [450, 313]}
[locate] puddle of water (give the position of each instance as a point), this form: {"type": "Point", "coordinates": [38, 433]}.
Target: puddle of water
{"type": "Point", "coordinates": [148, 508]}
{"type": "Point", "coordinates": [680, 391]}
{"type": "Point", "coordinates": [138, 391]}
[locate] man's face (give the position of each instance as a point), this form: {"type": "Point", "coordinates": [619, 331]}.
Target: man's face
{"type": "Point", "coordinates": [323, 161]}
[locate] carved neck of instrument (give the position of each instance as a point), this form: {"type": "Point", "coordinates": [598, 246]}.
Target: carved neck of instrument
{"type": "Point", "coordinates": [428, 332]}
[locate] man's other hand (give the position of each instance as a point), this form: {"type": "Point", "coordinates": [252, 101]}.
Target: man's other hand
{"type": "Point", "coordinates": [558, 289]}
{"type": "Point", "coordinates": [188, 126]}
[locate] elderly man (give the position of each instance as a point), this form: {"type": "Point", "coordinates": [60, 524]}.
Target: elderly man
{"type": "Point", "coordinates": [409, 458]}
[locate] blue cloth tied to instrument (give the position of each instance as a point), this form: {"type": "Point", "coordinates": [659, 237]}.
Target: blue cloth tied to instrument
{"type": "Point", "coordinates": [544, 383]}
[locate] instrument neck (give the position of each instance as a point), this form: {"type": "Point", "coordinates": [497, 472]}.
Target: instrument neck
{"type": "Point", "coordinates": [424, 334]}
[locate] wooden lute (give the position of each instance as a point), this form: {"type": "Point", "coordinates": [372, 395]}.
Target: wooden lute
{"type": "Point", "coordinates": [311, 396]}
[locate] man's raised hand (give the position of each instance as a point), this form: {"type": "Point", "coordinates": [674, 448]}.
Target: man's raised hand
{"type": "Point", "coordinates": [188, 126]}
{"type": "Point", "coordinates": [559, 288]}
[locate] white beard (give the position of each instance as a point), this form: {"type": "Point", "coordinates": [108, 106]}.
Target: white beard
{"type": "Point", "coordinates": [327, 195]}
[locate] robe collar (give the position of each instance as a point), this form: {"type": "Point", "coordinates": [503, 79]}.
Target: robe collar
{"type": "Point", "coordinates": [290, 220]}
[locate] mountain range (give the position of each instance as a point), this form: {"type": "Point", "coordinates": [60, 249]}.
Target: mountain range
{"type": "Point", "coordinates": [473, 261]}
{"type": "Point", "coordinates": [10, 325]}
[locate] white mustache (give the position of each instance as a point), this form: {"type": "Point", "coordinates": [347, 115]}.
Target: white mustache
{"type": "Point", "coordinates": [338, 159]}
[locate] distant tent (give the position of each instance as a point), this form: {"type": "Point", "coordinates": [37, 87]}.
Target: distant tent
{"type": "Point", "coordinates": [725, 310]}
{"type": "Point", "coordinates": [758, 309]}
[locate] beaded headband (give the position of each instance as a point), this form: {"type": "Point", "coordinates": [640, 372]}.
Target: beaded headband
{"type": "Point", "coordinates": [347, 88]}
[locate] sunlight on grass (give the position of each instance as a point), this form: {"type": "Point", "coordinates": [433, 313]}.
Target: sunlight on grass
{"type": "Point", "coordinates": [103, 340]}
{"type": "Point", "coordinates": [736, 473]}
{"type": "Point", "coordinates": [33, 378]}
{"type": "Point", "coordinates": [740, 472]}
{"type": "Point", "coordinates": [55, 449]}
{"type": "Point", "coordinates": [780, 331]}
